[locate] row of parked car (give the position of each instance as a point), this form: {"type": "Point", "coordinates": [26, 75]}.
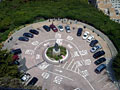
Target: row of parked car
{"type": "Point", "coordinates": [55, 29]}
{"type": "Point", "coordinates": [94, 49]}
{"type": "Point", "coordinates": [28, 35]}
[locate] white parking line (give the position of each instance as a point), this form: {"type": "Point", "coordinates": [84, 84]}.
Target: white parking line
{"type": "Point", "coordinates": [101, 79]}
{"type": "Point", "coordinates": [64, 65]}
{"type": "Point", "coordinates": [70, 64]}
{"type": "Point", "coordinates": [61, 75]}
{"type": "Point", "coordinates": [106, 84]}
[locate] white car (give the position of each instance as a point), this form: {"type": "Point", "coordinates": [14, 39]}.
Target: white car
{"type": "Point", "coordinates": [26, 77]}
{"type": "Point", "coordinates": [90, 38]}
{"type": "Point", "coordinates": [60, 27]}
{"type": "Point", "coordinates": [67, 29]}
{"type": "Point", "coordinates": [95, 48]}
{"type": "Point", "coordinates": [85, 35]}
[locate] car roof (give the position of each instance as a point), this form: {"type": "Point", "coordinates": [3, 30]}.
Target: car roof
{"type": "Point", "coordinates": [100, 67]}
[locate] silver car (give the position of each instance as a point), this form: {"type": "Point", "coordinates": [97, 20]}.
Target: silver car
{"type": "Point", "coordinates": [67, 29]}
{"type": "Point", "coordinates": [95, 48]}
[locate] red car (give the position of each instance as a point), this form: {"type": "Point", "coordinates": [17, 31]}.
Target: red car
{"type": "Point", "coordinates": [53, 27]}
{"type": "Point", "coordinates": [15, 57]}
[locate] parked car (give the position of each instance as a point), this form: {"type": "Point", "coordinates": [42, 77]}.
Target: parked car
{"type": "Point", "coordinates": [67, 28]}
{"type": "Point", "coordinates": [32, 81]}
{"type": "Point", "coordinates": [25, 77]}
{"type": "Point", "coordinates": [23, 39]}
{"type": "Point", "coordinates": [98, 54]}
{"type": "Point", "coordinates": [15, 57]}
{"type": "Point", "coordinates": [85, 35]}
{"type": "Point", "coordinates": [47, 28]}
{"type": "Point", "coordinates": [79, 32]}
{"type": "Point", "coordinates": [33, 31]}
{"type": "Point", "coordinates": [60, 27]}
{"type": "Point", "coordinates": [93, 43]}
{"type": "Point", "coordinates": [99, 61]}
{"type": "Point", "coordinates": [95, 48]}
{"type": "Point", "coordinates": [53, 27]}
{"type": "Point", "coordinates": [90, 38]}
{"type": "Point", "coordinates": [16, 51]}
{"type": "Point", "coordinates": [100, 68]}
{"type": "Point", "coordinates": [16, 62]}
{"type": "Point", "coordinates": [28, 35]}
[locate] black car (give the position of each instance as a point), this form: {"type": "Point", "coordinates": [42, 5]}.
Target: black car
{"type": "Point", "coordinates": [16, 51]}
{"type": "Point", "coordinates": [47, 28]}
{"type": "Point", "coordinates": [32, 81]}
{"type": "Point", "coordinates": [28, 35]}
{"type": "Point", "coordinates": [93, 42]}
{"type": "Point", "coordinates": [23, 39]}
{"type": "Point", "coordinates": [79, 32]}
{"type": "Point", "coordinates": [100, 60]}
{"type": "Point", "coordinates": [100, 68]}
{"type": "Point", "coordinates": [98, 54]}
{"type": "Point", "coordinates": [34, 31]}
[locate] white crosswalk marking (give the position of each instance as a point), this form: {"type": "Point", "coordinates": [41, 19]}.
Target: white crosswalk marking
{"type": "Point", "coordinates": [43, 66]}
{"type": "Point", "coordinates": [45, 75]}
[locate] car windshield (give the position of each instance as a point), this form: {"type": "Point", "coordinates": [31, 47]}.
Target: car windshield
{"type": "Point", "coordinates": [84, 35]}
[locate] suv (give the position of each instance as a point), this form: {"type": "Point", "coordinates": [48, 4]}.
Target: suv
{"type": "Point", "coordinates": [85, 35]}
{"type": "Point", "coordinates": [98, 54]}
{"type": "Point", "coordinates": [47, 28]}
{"type": "Point", "coordinates": [28, 35]}
{"type": "Point", "coordinates": [79, 32]}
{"type": "Point", "coordinates": [25, 77]}
{"type": "Point", "coordinates": [99, 61]}
{"type": "Point", "coordinates": [100, 68]}
{"type": "Point", "coordinates": [93, 42]}
{"type": "Point", "coordinates": [67, 29]}
{"type": "Point", "coordinates": [34, 31]}
{"type": "Point", "coordinates": [33, 81]}
{"type": "Point", "coordinates": [53, 27]}
{"type": "Point", "coordinates": [23, 39]}
{"type": "Point", "coordinates": [16, 51]}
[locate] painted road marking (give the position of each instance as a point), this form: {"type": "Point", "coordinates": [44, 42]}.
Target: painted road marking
{"type": "Point", "coordinates": [83, 52]}
{"type": "Point", "coordinates": [45, 75]}
{"type": "Point", "coordinates": [37, 56]}
{"type": "Point", "coordinates": [29, 52]}
{"type": "Point", "coordinates": [77, 89]}
{"type": "Point", "coordinates": [70, 64]}
{"type": "Point", "coordinates": [69, 38]}
{"type": "Point", "coordinates": [61, 75]}
{"type": "Point", "coordinates": [46, 44]}
{"type": "Point", "coordinates": [75, 54]}
{"type": "Point", "coordinates": [35, 43]}
{"type": "Point", "coordinates": [101, 79]}
{"type": "Point", "coordinates": [59, 41]}
{"type": "Point", "coordinates": [70, 46]}
{"type": "Point", "coordinates": [58, 70]}
{"type": "Point", "coordinates": [58, 79]}
{"type": "Point", "coordinates": [85, 73]}
{"type": "Point", "coordinates": [58, 36]}
{"type": "Point", "coordinates": [87, 62]}
{"type": "Point", "coordinates": [43, 66]}
{"type": "Point", "coordinates": [64, 65]}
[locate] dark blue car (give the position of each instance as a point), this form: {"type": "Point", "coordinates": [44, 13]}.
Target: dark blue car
{"type": "Point", "coordinates": [34, 31]}
{"type": "Point", "coordinates": [98, 54]}
{"type": "Point", "coordinates": [100, 60]}
{"type": "Point", "coordinates": [33, 81]}
{"type": "Point", "coordinates": [47, 28]}
{"type": "Point", "coordinates": [79, 32]}
{"type": "Point", "coordinates": [16, 51]}
{"type": "Point", "coordinates": [23, 39]}
{"type": "Point", "coordinates": [93, 43]}
{"type": "Point", "coordinates": [100, 68]}
{"type": "Point", "coordinates": [28, 35]}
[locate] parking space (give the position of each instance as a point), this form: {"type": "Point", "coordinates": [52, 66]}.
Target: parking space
{"type": "Point", "coordinates": [76, 72]}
